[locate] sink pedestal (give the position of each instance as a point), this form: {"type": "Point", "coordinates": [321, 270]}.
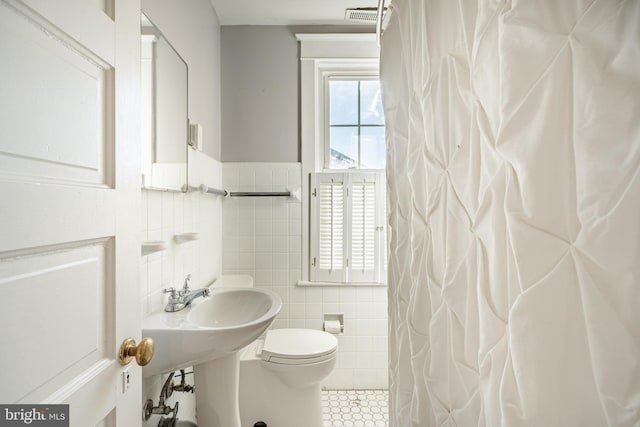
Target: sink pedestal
{"type": "Point", "coordinates": [216, 383]}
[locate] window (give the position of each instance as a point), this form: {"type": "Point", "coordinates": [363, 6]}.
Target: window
{"type": "Point", "coordinates": [347, 232]}
{"type": "Point", "coordinates": [355, 136]}
{"type": "Point", "coordinates": [343, 160]}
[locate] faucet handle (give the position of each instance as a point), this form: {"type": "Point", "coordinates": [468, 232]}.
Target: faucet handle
{"type": "Point", "coordinates": [185, 288]}
{"type": "Point", "coordinates": [172, 291]}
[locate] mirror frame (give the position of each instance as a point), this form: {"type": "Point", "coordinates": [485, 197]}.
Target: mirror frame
{"type": "Point", "coordinates": [178, 184]}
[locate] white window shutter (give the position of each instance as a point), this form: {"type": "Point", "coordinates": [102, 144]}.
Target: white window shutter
{"type": "Point", "coordinates": [347, 227]}
{"type": "Point", "coordinates": [328, 222]}
{"type": "Point", "coordinates": [364, 244]}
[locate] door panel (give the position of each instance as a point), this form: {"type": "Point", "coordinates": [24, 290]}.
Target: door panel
{"type": "Point", "coordinates": [66, 341]}
{"type": "Point", "coordinates": [69, 243]}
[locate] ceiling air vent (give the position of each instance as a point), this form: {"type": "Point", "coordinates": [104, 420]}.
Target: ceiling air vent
{"type": "Point", "coordinates": [362, 14]}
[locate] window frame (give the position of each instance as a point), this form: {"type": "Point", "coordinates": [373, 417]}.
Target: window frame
{"type": "Point", "coordinates": [346, 75]}
{"type": "Point", "coordinates": [322, 55]}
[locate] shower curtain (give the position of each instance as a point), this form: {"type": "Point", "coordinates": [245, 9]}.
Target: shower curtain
{"type": "Point", "coordinates": [513, 131]}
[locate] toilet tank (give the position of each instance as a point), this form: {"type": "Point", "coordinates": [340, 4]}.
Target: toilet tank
{"type": "Point", "coordinates": [234, 281]}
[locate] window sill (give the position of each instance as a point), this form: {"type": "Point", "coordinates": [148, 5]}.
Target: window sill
{"type": "Point", "coordinates": [306, 283]}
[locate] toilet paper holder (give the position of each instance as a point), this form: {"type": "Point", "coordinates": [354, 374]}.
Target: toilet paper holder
{"type": "Point", "coordinates": [333, 323]}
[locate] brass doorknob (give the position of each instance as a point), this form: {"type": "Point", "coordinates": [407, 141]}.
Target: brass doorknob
{"type": "Point", "coordinates": [143, 352]}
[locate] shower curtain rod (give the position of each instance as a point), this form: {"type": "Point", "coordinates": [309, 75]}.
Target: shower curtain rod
{"type": "Point", "coordinates": [379, 13]}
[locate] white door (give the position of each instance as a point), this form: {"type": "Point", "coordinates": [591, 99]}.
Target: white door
{"type": "Point", "coordinates": [69, 206]}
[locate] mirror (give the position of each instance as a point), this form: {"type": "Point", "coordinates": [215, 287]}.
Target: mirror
{"type": "Point", "coordinates": [165, 124]}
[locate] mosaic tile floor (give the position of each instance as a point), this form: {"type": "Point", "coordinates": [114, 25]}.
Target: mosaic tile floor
{"type": "Point", "coordinates": [355, 408]}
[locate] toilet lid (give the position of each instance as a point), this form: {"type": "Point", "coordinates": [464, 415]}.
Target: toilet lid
{"type": "Point", "coordinates": [296, 346]}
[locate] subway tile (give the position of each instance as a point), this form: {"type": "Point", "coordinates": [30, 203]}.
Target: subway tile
{"type": "Point", "coordinates": [280, 244]}
{"type": "Point", "coordinates": [295, 244]}
{"type": "Point", "coordinates": [330, 294]}
{"type": "Point", "coordinates": [297, 323]}
{"type": "Point", "coordinates": [168, 269]}
{"type": "Point", "coordinates": [280, 210]}
{"type": "Point", "coordinates": [264, 260]}
{"type": "Point", "coordinates": [279, 178]}
{"type": "Point", "coordinates": [263, 178]}
{"type": "Point", "coordinates": [245, 176]}
{"type": "Point", "coordinates": [231, 244]}
{"type": "Point", "coordinates": [263, 278]}
{"type": "Point", "coordinates": [229, 176]}
{"type": "Point", "coordinates": [371, 310]}
{"type": "Point", "coordinates": [283, 292]}
{"type": "Point", "coordinates": [346, 343]}
{"type": "Point", "coordinates": [370, 378]}
{"type": "Point", "coordinates": [244, 244]}
{"type": "Point", "coordinates": [314, 310]}
{"type": "Point", "coordinates": [280, 324]}
{"type": "Point", "coordinates": [379, 294]}
{"type": "Point", "coordinates": [347, 294]}
{"type": "Point", "coordinates": [280, 228]}
{"type": "Point", "coordinates": [367, 360]}
{"type": "Point", "coordinates": [331, 308]}
{"type": "Point", "coordinates": [294, 179]}
{"type": "Point", "coordinates": [246, 261]}
{"type": "Point", "coordinates": [295, 210]}
{"type": "Point", "coordinates": [294, 276]}
{"type": "Point", "coordinates": [284, 311]}
{"type": "Point", "coordinates": [167, 210]}
{"type": "Point", "coordinates": [314, 294]}
{"type": "Point", "coordinates": [154, 211]}
{"type": "Point", "coordinates": [348, 309]}
{"type": "Point", "coordinates": [246, 230]}
{"type": "Point", "coordinates": [364, 344]}
{"type": "Point", "coordinates": [280, 278]}
{"type": "Point", "coordinates": [297, 310]}
{"type": "Point", "coordinates": [154, 274]}
{"type": "Point", "coordinates": [297, 294]}
{"type": "Point", "coordinates": [280, 261]}
{"type": "Point", "coordinates": [315, 324]}
{"type": "Point", "coordinates": [295, 260]}
{"type": "Point", "coordinates": [364, 294]}
{"type": "Point", "coordinates": [347, 359]}
{"type": "Point", "coordinates": [263, 244]}
{"type": "Point", "coordinates": [229, 262]}
{"type": "Point", "coordinates": [295, 227]}
{"type": "Point", "coordinates": [263, 228]}
{"type": "Point", "coordinates": [339, 379]}
{"type": "Point", "coordinates": [263, 209]}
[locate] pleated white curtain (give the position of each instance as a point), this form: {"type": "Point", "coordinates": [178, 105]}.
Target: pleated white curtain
{"type": "Point", "coordinates": [513, 131]}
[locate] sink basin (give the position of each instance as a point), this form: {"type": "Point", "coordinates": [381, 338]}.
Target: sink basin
{"type": "Point", "coordinates": [211, 328]}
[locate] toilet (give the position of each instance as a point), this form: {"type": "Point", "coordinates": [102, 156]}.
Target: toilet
{"type": "Point", "coordinates": [280, 373]}
{"type": "Point", "coordinates": [280, 377]}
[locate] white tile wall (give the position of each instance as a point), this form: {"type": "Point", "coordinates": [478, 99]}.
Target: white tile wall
{"type": "Point", "coordinates": [262, 237]}
{"type": "Point", "coordinates": [163, 216]}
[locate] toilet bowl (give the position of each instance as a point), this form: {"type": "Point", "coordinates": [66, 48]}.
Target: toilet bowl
{"type": "Point", "coordinates": [280, 377]}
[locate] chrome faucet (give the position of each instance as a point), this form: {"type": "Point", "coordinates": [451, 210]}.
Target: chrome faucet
{"type": "Point", "coordinates": [183, 298]}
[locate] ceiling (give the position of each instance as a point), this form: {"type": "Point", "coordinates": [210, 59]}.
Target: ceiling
{"type": "Point", "coordinates": [286, 12]}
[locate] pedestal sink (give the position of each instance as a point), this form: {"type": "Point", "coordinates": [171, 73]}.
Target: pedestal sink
{"type": "Point", "coordinates": [207, 335]}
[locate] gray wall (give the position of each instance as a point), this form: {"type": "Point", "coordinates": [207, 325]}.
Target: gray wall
{"type": "Point", "coordinates": [194, 32]}
{"type": "Point", "coordinates": [260, 91]}
{"type": "Point", "coordinates": [259, 94]}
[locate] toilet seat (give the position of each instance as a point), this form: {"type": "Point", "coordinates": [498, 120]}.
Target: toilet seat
{"type": "Point", "coordinates": [298, 346]}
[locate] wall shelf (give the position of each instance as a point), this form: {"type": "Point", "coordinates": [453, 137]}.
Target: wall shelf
{"type": "Point", "coordinates": [186, 237]}
{"type": "Point", "coordinates": [152, 246]}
